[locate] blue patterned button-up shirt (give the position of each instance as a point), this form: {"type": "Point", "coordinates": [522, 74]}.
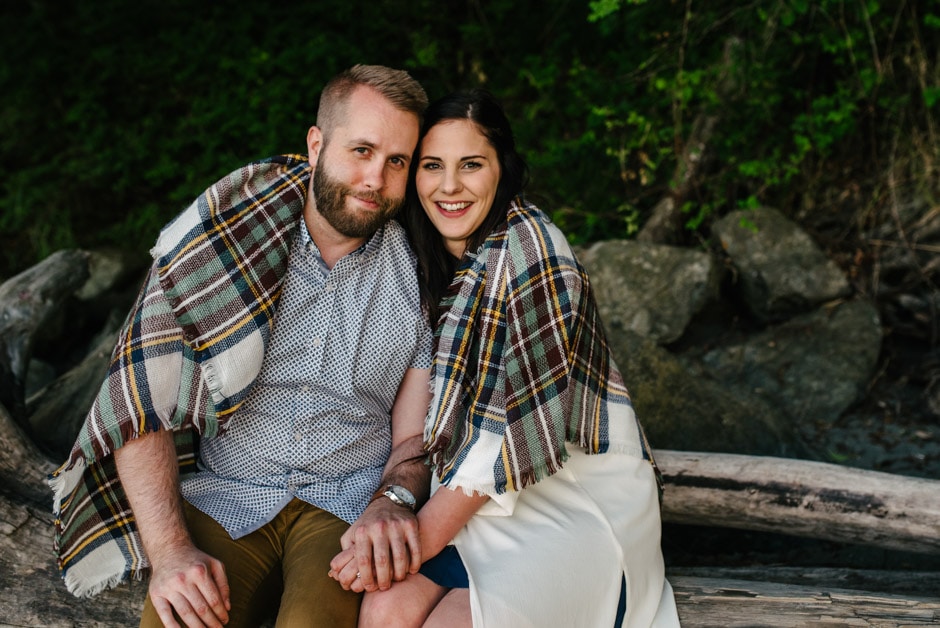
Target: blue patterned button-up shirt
{"type": "Point", "coordinates": [316, 424]}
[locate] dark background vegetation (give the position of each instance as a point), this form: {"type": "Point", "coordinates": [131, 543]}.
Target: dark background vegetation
{"type": "Point", "coordinates": [116, 114]}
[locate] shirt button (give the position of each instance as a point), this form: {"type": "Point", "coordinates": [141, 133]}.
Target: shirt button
{"type": "Point", "coordinates": [305, 388]}
{"type": "Point", "coordinates": [315, 342]}
{"type": "Point", "coordinates": [298, 436]}
{"type": "Point", "coordinates": [330, 287]}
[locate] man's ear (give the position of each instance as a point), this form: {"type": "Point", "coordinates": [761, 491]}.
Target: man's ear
{"type": "Point", "coordinates": [314, 144]}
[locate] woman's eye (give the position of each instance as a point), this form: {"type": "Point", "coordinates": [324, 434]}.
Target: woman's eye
{"type": "Point", "coordinates": [472, 165]}
{"type": "Point", "coordinates": [431, 166]}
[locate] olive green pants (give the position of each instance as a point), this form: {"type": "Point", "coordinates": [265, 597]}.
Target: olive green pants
{"type": "Point", "coordinates": [288, 557]}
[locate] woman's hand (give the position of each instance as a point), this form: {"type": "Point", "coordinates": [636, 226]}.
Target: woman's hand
{"type": "Point", "coordinates": [344, 569]}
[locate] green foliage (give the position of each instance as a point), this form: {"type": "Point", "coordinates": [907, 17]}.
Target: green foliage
{"type": "Point", "coordinates": [115, 114]}
{"type": "Point", "coordinates": [813, 84]}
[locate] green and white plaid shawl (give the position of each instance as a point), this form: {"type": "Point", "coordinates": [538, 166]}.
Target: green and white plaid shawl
{"type": "Point", "coordinates": [522, 365]}
{"type": "Point", "coordinates": [185, 359]}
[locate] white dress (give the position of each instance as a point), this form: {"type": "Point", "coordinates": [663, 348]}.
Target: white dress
{"type": "Point", "coordinates": [552, 555]}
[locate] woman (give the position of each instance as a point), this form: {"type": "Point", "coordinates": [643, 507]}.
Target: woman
{"type": "Point", "coordinates": [544, 483]}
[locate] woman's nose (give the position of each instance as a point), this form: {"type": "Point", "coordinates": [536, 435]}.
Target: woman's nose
{"type": "Point", "coordinates": [451, 182]}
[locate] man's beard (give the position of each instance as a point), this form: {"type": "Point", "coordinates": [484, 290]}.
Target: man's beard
{"type": "Point", "coordinates": [330, 196]}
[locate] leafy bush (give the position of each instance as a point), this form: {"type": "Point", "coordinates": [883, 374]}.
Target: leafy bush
{"type": "Point", "coordinates": [116, 114]}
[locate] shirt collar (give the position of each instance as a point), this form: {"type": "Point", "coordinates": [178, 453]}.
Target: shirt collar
{"type": "Point", "coordinates": [363, 252]}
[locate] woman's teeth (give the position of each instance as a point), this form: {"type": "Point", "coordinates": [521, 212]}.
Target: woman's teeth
{"type": "Point", "coordinates": [454, 207]}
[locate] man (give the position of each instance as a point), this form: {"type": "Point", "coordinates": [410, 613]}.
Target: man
{"type": "Point", "coordinates": [310, 420]}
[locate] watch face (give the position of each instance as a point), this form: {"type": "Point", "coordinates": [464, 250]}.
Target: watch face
{"type": "Point", "coordinates": [402, 494]}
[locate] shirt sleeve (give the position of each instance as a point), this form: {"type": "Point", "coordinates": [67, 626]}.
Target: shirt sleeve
{"type": "Point", "coordinates": [422, 356]}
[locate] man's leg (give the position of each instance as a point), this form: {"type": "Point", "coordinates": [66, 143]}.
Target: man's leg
{"type": "Point", "coordinates": [311, 598]}
{"type": "Point", "coordinates": [250, 562]}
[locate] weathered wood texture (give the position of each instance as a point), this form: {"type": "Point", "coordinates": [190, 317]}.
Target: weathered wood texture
{"type": "Point", "coordinates": [27, 303]}
{"type": "Point", "coordinates": [801, 498]}
{"type": "Point", "coordinates": [715, 602]}
{"type": "Point", "coordinates": [915, 584]}
{"type": "Point", "coordinates": [23, 468]}
{"type": "Point", "coordinates": [31, 591]}
{"type": "Point", "coordinates": [31, 594]}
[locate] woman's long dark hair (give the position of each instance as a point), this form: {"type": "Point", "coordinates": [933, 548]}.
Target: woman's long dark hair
{"type": "Point", "coordinates": [436, 265]}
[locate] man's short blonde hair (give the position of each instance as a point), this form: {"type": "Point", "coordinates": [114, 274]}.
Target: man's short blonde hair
{"type": "Point", "coordinates": [405, 93]}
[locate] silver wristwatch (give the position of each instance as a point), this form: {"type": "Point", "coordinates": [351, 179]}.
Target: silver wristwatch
{"type": "Point", "coordinates": [401, 496]}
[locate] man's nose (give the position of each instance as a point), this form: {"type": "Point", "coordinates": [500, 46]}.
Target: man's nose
{"type": "Point", "coordinates": [374, 175]}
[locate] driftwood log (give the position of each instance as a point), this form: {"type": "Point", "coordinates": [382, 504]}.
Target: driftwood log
{"type": "Point", "coordinates": [719, 602]}
{"type": "Point", "coordinates": [802, 498]}
{"type": "Point", "coordinates": [28, 302]}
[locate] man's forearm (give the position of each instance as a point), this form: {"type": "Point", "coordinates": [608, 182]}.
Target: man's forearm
{"type": "Point", "coordinates": [407, 466]}
{"type": "Point", "coordinates": [147, 467]}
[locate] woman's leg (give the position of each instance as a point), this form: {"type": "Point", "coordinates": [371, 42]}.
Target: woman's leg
{"type": "Point", "coordinates": [453, 611]}
{"type": "Point", "coordinates": [406, 604]}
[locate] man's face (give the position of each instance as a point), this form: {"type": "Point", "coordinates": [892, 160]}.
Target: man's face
{"type": "Point", "coordinates": [331, 195]}
{"type": "Point", "coordinates": [360, 175]}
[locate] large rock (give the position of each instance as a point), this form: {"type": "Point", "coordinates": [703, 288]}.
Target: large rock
{"type": "Point", "coordinates": [651, 290]}
{"type": "Point", "coordinates": [781, 271]}
{"type": "Point", "coordinates": [811, 367]}
{"type": "Point", "coordinates": [680, 409]}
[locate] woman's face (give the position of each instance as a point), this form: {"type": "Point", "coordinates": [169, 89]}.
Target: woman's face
{"type": "Point", "coordinates": [458, 171]}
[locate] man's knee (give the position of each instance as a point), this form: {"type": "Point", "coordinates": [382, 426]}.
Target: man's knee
{"type": "Point", "coordinates": [325, 606]}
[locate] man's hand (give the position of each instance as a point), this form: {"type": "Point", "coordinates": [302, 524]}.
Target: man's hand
{"type": "Point", "coordinates": [184, 578]}
{"type": "Point", "coordinates": [193, 584]}
{"type": "Point", "coordinates": [382, 546]}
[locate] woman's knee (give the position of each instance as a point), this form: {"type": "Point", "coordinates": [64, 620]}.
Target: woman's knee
{"type": "Point", "coordinates": [453, 611]}
{"type": "Point", "coordinates": [407, 604]}
{"type": "Point", "coordinates": [386, 609]}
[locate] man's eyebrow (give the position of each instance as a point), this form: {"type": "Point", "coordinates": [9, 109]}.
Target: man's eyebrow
{"type": "Point", "coordinates": [361, 141]}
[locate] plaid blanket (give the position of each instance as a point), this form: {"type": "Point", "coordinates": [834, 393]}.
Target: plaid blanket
{"type": "Point", "coordinates": [522, 365]}
{"type": "Point", "coordinates": [185, 359]}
